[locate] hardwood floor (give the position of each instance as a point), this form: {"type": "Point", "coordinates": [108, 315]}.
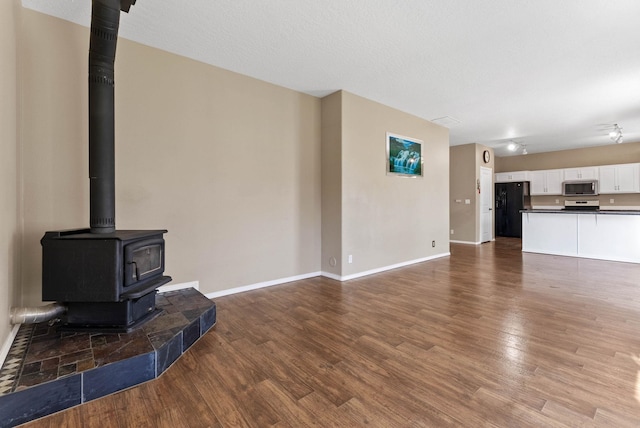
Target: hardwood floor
{"type": "Point", "coordinates": [487, 337]}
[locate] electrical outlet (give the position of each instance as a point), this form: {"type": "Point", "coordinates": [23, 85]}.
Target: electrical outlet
{"type": "Point", "coordinates": [350, 258]}
{"type": "Point", "coordinates": [433, 243]}
{"type": "Point", "coordinates": [611, 201]}
{"type": "Point", "coordinates": [452, 231]}
{"type": "Point", "coordinates": [557, 201]}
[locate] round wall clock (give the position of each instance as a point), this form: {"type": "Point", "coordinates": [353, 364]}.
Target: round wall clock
{"type": "Point", "coordinates": [486, 156]}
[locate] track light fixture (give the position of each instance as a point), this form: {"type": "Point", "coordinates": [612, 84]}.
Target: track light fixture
{"type": "Point", "coordinates": [616, 134]}
{"type": "Point", "coordinates": [514, 147]}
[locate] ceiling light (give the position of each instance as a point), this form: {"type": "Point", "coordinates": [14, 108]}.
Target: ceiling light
{"type": "Point", "coordinates": [515, 147]}
{"type": "Point", "coordinates": [616, 134]}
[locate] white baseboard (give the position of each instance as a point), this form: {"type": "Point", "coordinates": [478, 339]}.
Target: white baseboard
{"type": "Point", "coordinates": [180, 286]}
{"type": "Point", "coordinates": [261, 285]}
{"type": "Point", "coordinates": [465, 242]}
{"type": "Point", "coordinates": [383, 269]}
{"type": "Point", "coordinates": [6, 347]}
{"type": "Point", "coordinates": [331, 276]}
{"type": "Point", "coordinates": [325, 274]}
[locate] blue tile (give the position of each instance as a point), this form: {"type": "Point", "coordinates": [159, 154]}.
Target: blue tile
{"type": "Point", "coordinates": [190, 334]}
{"type": "Point", "coordinates": [168, 353]}
{"type": "Point", "coordinates": [117, 376]}
{"type": "Point", "coordinates": [207, 320]}
{"type": "Point", "coordinates": [190, 314]}
{"type": "Point", "coordinates": [38, 401]}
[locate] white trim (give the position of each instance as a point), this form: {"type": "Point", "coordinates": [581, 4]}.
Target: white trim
{"type": "Point", "coordinates": [619, 208]}
{"type": "Point", "coordinates": [384, 268]}
{"type": "Point", "coordinates": [331, 276]}
{"type": "Point", "coordinates": [180, 286]}
{"type": "Point", "coordinates": [261, 285]}
{"type": "Point", "coordinates": [7, 343]}
{"type": "Point", "coordinates": [547, 207]}
{"type": "Point", "coordinates": [466, 242]}
{"type": "Point", "coordinates": [314, 274]}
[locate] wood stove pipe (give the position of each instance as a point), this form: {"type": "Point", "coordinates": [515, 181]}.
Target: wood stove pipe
{"type": "Point", "coordinates": [105, 21]}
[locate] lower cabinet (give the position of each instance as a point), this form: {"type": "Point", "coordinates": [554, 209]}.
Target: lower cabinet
{"type": "Point", "coordinates": [598, 236]}
{"type": "Point", "coordinates": [609, 237]}
{"type": "Point", "coordinates": [550, 233]}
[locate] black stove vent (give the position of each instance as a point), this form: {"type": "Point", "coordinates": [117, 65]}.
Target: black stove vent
{"type": "Point", "coordinates": [107, 278]}
{"type": "Point", "coordinates": [105, 22]}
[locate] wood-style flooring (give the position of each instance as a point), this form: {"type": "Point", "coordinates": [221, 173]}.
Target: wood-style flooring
{"type": "Point", "coordinates": [488, 337]}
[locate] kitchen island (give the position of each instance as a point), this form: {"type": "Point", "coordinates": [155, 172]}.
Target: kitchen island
{"type": "Point", "coordinates": [603, 234]}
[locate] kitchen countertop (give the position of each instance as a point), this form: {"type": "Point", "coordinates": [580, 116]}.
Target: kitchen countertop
{"type": "Point", "coordinates": [563, 211]}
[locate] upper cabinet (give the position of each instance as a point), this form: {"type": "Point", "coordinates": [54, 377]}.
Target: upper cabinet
{"type": "Point", "coordinates": [505, 177]}
{"type": "Point", "coordinates": [584, 173]}
{"type": "Point", "coordinates": [623, 178]}
{"type": "Point", "coordinates": [546, 182]}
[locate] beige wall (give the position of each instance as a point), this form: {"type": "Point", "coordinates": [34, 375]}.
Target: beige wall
{"type": "Point", "coordinates": [610, 154]}
{"type": "Point", "coordinates": [228, 164]}
{"type": "Point", "coordinates": [9, 168]}
{"type": "Point", "coordinates": [53, 136]}
{"type": "Point", "coordinates": [602, 155]}
{"type": "Point", "coordinates": [465, 163]}
{"type": "Point", "coordinates": [386, 219]}
{"type": "Point", "coordinates": [332, 184]}
{"type": "Point", "coordinates": [462, 179]}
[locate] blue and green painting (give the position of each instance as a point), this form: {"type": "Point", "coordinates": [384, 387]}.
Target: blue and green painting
{"type": "Point", "coordinates": [405, 156]}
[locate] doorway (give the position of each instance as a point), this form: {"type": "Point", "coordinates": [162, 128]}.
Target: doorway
{"type": "Point", "coordinates": [486, 204]}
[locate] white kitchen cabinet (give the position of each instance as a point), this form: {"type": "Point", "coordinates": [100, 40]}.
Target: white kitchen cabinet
{"type": "Point", "coordinates": [584, 173]}
{"type": "Point", "coordinates": [609, 237]}
{"type": "Point", "coordinates": [592, 235]}
{"type": "Point", "coordinates": [550, 233]}
{"type": "Point", "coordinates": [546, 182]}
{"type": "Point", "coordinates": [624, 178]}
{"type": "Point", "coordinates": [505, 177]}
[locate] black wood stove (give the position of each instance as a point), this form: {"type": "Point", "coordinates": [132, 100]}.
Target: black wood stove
{"type": "Point", "coordinates": [107, 281]}
{"type": "Point", "coordinates": [107, 278]}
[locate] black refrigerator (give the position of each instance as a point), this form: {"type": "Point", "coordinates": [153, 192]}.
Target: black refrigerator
{"type": "Point", "coordinates": [510, 199]}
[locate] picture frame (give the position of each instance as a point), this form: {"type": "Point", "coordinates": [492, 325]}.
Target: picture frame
{"type": "Point", "coordinates": [404, 156]}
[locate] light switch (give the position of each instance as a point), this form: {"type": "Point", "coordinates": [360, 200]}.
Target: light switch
{"type": "Point", "coordinates": [467, 201]}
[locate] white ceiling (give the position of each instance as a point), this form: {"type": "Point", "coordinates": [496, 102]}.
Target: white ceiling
{"type": "Point", "coordinates": [544, 73]}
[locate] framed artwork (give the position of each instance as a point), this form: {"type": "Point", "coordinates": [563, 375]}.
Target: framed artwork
{"type": "Point", "coordinates": [404, 156]}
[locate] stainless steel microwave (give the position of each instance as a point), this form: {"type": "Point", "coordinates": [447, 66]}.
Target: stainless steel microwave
{"type": "Point", "coordinates": [580, 188]}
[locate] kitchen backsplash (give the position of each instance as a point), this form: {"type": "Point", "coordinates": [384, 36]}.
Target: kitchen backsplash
{"type": "Point", "coordinates": [619, 200]}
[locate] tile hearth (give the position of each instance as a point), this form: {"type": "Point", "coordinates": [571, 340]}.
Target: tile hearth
{"type": "Point", "coordinates": [47, 371]}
